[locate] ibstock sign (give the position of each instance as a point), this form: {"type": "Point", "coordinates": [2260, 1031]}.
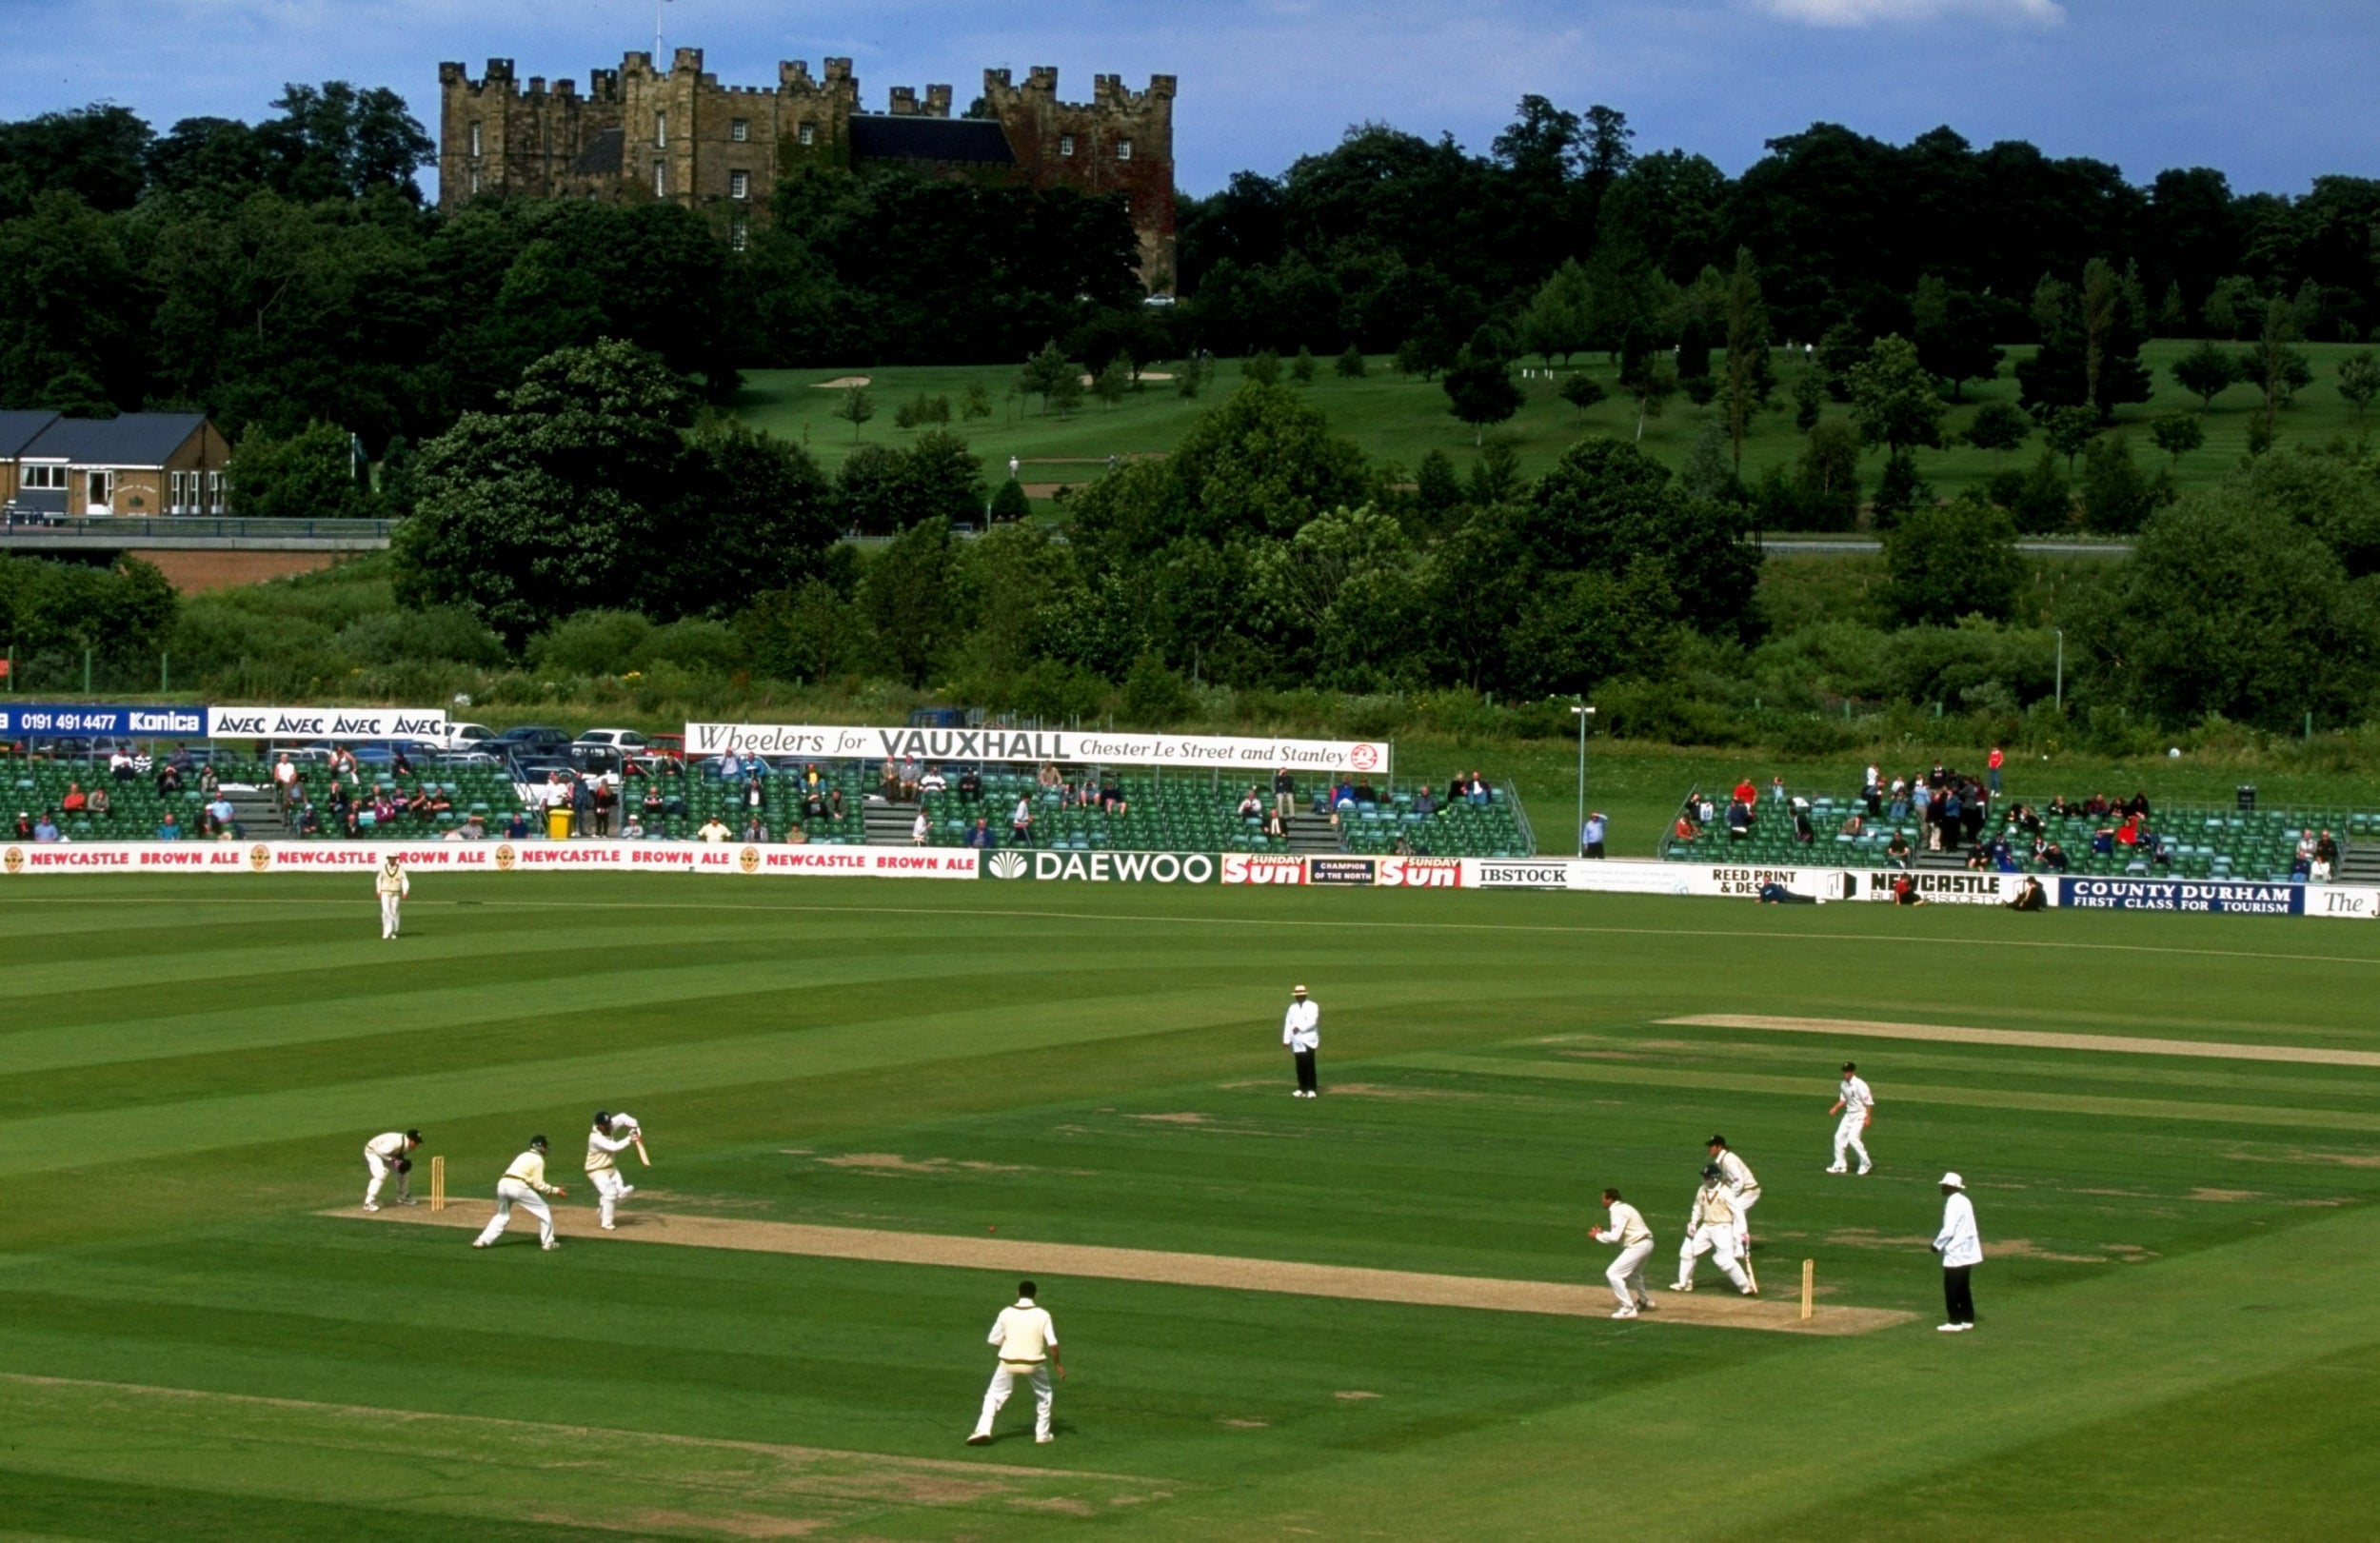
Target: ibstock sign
{"type": "Point", "coordinates": [2201, 895]}
{"type": "Point", "coordinates": [1102, 868]}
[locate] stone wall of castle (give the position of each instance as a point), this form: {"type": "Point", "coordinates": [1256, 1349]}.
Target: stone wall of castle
{"type": "Point", "coordinates": [640, 131]}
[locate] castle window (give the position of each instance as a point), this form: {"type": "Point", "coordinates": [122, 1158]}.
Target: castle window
{"type": "Point", "coordinates": [1066, 144]}
{"type": "Point", "coordinates": [660, 129]}
{"type": "Point", "coordinates": [475, 138]}
{"type": "Point", "coordinates": [475, 182]}
{"type": "Point", "coordinates": [661, 179]}
{"type": "Point", "coordinates": [739, 234]}
{"type": "Point", "coordinates": [1124, 149]}
{"type": "Point", "coordinates": [739, 129]}
{"type": "Point", "coordinates": [738, 185]}
{"type": "Point", "coordinates": [808, 134]}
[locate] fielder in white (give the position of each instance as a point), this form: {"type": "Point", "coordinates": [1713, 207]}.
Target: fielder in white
{"type": "Point", "coordinates": [1856, 1104]}
{"type": "Point", "coordinates": [1029, 1348]}
{"type": "Point", "coordinates": [395, 886]}
{"type": "Point", "coordinates": [1711, 1228]}
{"type": "Point", "coordinates": [1741, 1187]}
{"type": "Point", "coordinates": [612, 1134]}
{"type": "Point", "coordinates": [1635, 1246]}
{"type": "Point", "coordinates": [384, 1154]}
{"type": "Point", "coordinates": [523, 1184]}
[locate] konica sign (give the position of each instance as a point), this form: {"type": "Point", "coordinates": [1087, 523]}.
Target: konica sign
{"type": "Point", "coordinates": [1103, 867]}
{"type": "Point", "coordinates": [56, 720]}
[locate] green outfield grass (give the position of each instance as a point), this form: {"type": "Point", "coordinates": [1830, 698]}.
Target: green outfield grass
{"type": "Point", "coordinates": [2179, 1331]}
{"type": "Point", "coordinates": [1399, 419]}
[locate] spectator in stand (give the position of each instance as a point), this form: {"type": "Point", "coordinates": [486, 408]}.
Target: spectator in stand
{"type": "Point", "coordinates": [911, 774]}
{"type": "Point", "coordinates": [396, 761]}
{"type": "Point", "coordinates": [99, 803]}
{"type": "Point", "coordinates": [1020, 823]}
{"type": "Point", "coordinates": [23, 826]}
{"type": "Point", "coordinates": [632, 831]}
{"type": "Point", "coordinates": [653, 801]}
{"type": "Point", "coordinates": [516, 828]}
{"type": "Point", "coordinates": [1738, 820]}
{"type": "Point", "coordinates": [1276, 828]}
{"type": "Point", "coordinates": [2103, 842]}
{"type": "Point", "coordinates": [1052, 784]}
{"type": "Point", "coordinates": [1854, 825]}
{"type": "Point", "coordinates": [755, 831]}
{"type": "Point", "coordinates": [1804, 833]}
{"type": "Point", "coordinates": [2058, 808]}
{"type": "Point", "coordinates": [220, 812]}
{"type": "Point", "coordinates": [920, 829]}
{"type": "Point", "coordinates": [169, 779]}
{"type": "Point", "coordinates": [2137, 803]}
{"type": "Point", "coordinates": [1992, 769]}
{"type": "Point", "coordinates": [1950, 816]}
{"type": "Point", "coordinates": [75, 799]}
{"type": "Point", "coordinates": [1344, 795]}
{"type": "Point", "coordinates": [931, 783]}
{"type": "Point", "coordinates": [1252, 807]}
{"type": "Point", "coordinates": [1425, 802]}
{"type": "Point", "coordinates": [1591, 836]}
{"type": "Point", "coordinates": [981, 837]}
{"type": "Point", "coordinates": [2129, 833]}
{"type": "Point", "coordinates": [813, 805]}
{"type": "Point", "coordinates": [1777, 792]}
{"type": "Point", "coordinates": [2302, 861]}
{"type": "Point", "coordinates": [1896, 809]}
{"type": "Point", "coordinates": [713, 832]}
{"type": "Point", "coordinates": [1747, 795]}
{"type": "Point", "coordinates": [810, 777]}
{"type": "Point", "coordinates": [730, 766]}
{"type": "Point", "coordinates": [795, 835]}
{"type": "Point", "coordinates": [284, 780]}
{"type": "Point", "coordinates": [308, 822]}
{"type": "Point", "coordinates": [834, 803]}
{"type": "Point", "coordinates": [1480, 794]}
{"type": "Point", "coordinates": [1705, 811]}
{"type": "Point", "coordinates": [46, 828]}
{"type": "Point", "coordinates": [1896, 850]}
{"type": "Point", "coordinates": [207, 781]}
{"type": "Point", "coordinates": [120, 764]}
{"type": "Point", "coordinates": [1684, 829]}
{"type": "Point", "coordinates": [1112, 796]}
{"type": "Point", "coordinates": [2325, 859]}
{"type": "Point", "coordinates": [755, 790]}
{"type": "Point", "coordinates": [1284, 792]}
{"type": "Point", "coordinates": [167, 829]}
{"type": "Point", "coordinates": [1366, 795]}
{"type": "Point", "coordinates": [970, 786]}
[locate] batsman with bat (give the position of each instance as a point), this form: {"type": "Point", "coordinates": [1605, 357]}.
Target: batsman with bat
{"type": "Point", "coordinates": [612, 1133]}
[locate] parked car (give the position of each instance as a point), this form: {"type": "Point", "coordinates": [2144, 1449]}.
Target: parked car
{"type": "Point", "coordinates": [542, 737]}
{"type": "Point", "coordinates": [469, 736]}
{"type": "Point", "coordinates": [626, 740]}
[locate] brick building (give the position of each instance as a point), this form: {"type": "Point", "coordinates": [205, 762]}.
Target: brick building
{"type": "Point", "coordinates": [642, 133]}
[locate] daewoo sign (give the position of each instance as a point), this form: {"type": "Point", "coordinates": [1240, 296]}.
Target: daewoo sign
{"type": "Point", "coordinates": [1103, 867]}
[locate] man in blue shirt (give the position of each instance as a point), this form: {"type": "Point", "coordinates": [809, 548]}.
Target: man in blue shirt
{"type": "Point", "coordinates": [46, 828]}
{"type": "Point", "coordinates": [1591, 836]}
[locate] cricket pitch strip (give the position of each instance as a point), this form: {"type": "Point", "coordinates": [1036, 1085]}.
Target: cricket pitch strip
{"type": "Point", "coordinates": [1718, 1307]}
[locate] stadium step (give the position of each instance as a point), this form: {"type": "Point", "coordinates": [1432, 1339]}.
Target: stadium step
{"type": "Point", "coordinates": [2359, 863]}
{"type": "Point", "coordinates": [1310, 832]}
{"type": "Point", "coordinates": [258, 816]}
{"type": "Point", "coordinates": [887, 824]}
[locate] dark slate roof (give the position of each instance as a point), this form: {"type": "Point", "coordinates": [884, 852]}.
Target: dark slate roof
{"type": "Point", "coordinates": [17, 429]}
{"type": "Point", "coordinates": [602, 153]}
{"type": "Point", "coordinates": [883, 137]}
{"type": "Point", "coordinates": [134, 439]}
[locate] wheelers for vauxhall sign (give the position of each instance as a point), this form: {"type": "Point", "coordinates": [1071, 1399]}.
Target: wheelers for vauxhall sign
{"type": "Point", "coordinates": [844, 741]}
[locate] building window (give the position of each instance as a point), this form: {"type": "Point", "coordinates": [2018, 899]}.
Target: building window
{"type": "Point", "coordinates": [808, 134]}
{"type": "Point", "coordinates": [1124, 149]}
{"type": "Point", "coordinates": [214, 492]}
{"type": "Point", "coordinates": [1066, 144]}
{"type": "Point", "coordinates": [738, 185]}
{"type": "Point", "coordinates": [53, 478]}
{"type": "Point", "coordinates": [739, 129]}
{"type": "Point", "coordinates": [99, 488]}
{"type": "Point", "coordinates": [660, 129]}
{"type": "Point", "coordinates": [739, 234]}
{"type": "Point", "coordinates": [176, 490]}
{"type": "Point", "coordinates": [661, 179]}
{"type": "Point", "coordinates": [475, 182]}
{"type": "Point", "coordinates": [475, 149]}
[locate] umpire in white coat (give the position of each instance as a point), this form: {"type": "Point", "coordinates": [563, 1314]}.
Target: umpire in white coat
{"type": "Point", "coordinates": [1961, 1248]}
{"type": "Point", "coordinates": [1300, 1030]}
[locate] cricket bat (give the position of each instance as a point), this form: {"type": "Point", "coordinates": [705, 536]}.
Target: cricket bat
{"type": "Point", "coordinates": [641, 1153]}
{"type": "Point", "coordinates": [1750, 1273]}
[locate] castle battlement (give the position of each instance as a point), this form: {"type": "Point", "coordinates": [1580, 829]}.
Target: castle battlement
{"type": "Point", "coordinates": [643, 132]}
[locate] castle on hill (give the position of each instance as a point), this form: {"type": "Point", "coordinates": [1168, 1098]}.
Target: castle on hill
{"type": "Point", "coordinates": [678, 134]}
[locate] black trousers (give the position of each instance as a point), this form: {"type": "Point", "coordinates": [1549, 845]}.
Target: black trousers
{"type": "Point", "coordinates": [1958, 1299]}
{"type": "Point", "coordinates": [1305, 1070]}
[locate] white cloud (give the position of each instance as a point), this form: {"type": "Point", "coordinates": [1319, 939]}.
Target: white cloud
{"type": "Point", "coordinates": [1869, 12]}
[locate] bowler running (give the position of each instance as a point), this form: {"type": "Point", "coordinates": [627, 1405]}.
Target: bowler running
{"type": "Point", "coordinates": [1856, 1104]}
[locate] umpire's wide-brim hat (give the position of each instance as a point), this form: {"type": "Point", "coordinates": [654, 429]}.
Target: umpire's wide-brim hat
{"type": "Point", "coordinates": [1951, 1181]}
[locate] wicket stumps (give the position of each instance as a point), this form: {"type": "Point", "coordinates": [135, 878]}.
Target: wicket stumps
{"type": "Point", "coordinates": [1809, 1288]}
{"type": "Point", "coordinates": [438, 1202]}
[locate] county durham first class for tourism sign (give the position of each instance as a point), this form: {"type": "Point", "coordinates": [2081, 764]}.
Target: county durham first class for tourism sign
{"type": "Point", "coordinates": [843, 742]}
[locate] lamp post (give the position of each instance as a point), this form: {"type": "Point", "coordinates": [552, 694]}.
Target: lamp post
{"type": "Point", "coordinates": [2061, 669]}
{"type": "Point", "coordinates": [1579, 828]}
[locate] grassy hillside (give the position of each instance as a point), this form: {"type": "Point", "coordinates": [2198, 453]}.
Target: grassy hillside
{"type": "Point", "coordinates": [192, 1348]}
{"type": "Point", "coordinates": [1400, 420]}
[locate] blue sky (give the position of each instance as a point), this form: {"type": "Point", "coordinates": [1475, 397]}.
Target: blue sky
{"type": "Point", "coordinates": [2271, 91]}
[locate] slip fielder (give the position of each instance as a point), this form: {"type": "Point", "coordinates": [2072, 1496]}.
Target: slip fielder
{"type": "Point", "coordinates": [384, 1154]}
{"type": "Point", "coordinates": [523, 1184]}
{"type": "Point", "coordinates": [1711, 1228]}
{"type": "Point", "coordinates": [1856, 1104]}
{"type": "Point", "coordinates": [610, 1188]}
{"type": "Point", "coordinates": [394, 884]}
{"type": "Point", "coordinates": [1635, 1238]}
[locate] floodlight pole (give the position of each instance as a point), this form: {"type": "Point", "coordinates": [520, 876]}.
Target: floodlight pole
{"type": "Point", "coordinates": [1582, 712]}
{"type": "Point", "coordinates": [2061, 669]}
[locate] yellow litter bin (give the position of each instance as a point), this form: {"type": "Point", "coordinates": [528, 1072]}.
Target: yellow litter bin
{"type": "Point", "coordinates": [558, 821]}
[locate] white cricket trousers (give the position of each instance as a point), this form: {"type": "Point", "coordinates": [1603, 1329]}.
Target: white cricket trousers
{"type": "Point", "coordinates": [380, 1169]}
{"type": "Point", "coordinates": [389, 916]}
{"type": "Point", "coordinates": [1847, 1140]}
{"type": "Point", "coordinates": [610, 1188]}
{"type": "Point", "coordinates": [509, 1192]}
{"type": "Point", "coordinates": [1717, 1241]}
{"type": "Point", "coordinates": [1627, 1274]}
{"type": "Point", "coordinates": [1745, 1200]}
{"type": "Point", "coordinates": [1005, 1381]}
